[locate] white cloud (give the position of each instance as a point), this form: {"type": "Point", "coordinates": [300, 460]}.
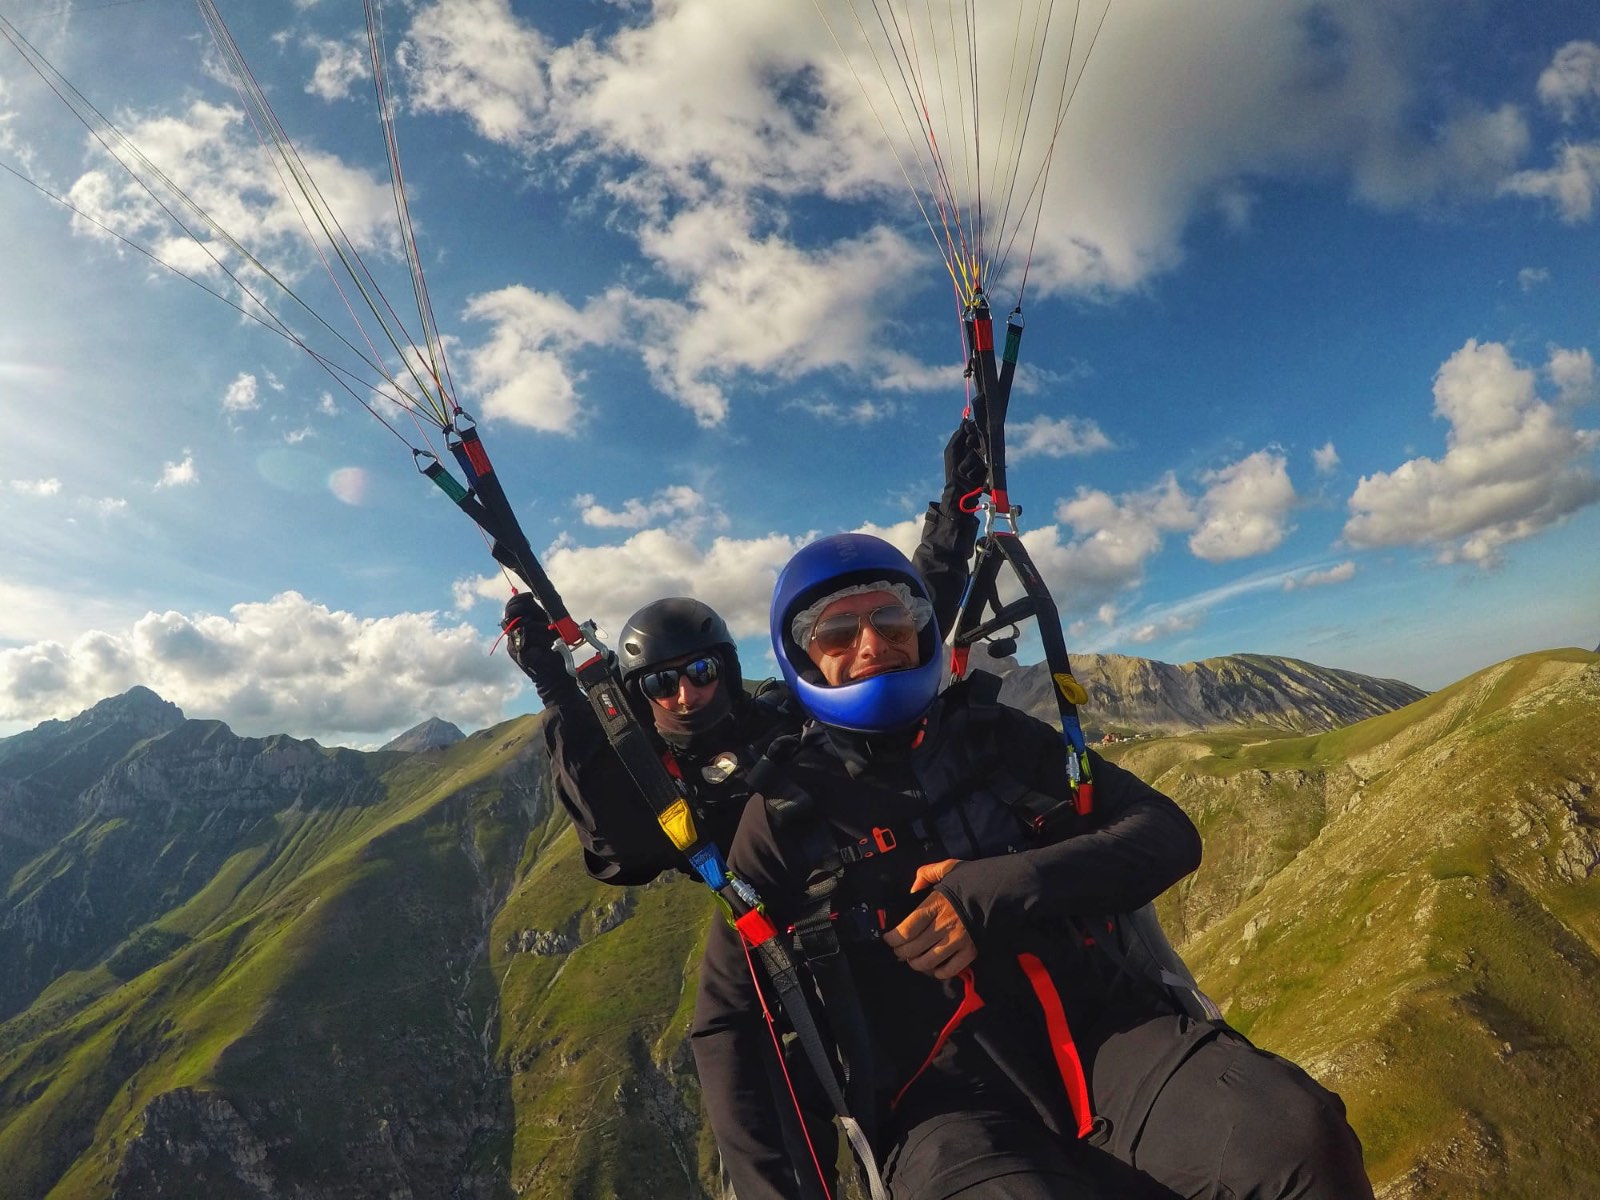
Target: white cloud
{"type": "Point", "coordinates": [256, 668]}
{"type": "Point", "coordinates": [1245, 508]}
{"type": "Point", "coordinates": [1325, 459]}
{"type": "Point", "coordinates": [1531, 277]}
{"type": "Point", "coordinates": [1341, 573]}
{"type": "Point", "coordinates": [1572, 372]}
{"type": "Point", "coordinates": [860, 412]}
{"type": "Point", "coordinates": [1113, 538]}
{"type": "Point", "coordinates": [1051, 437]}
{"type": "Point", "coordinates": [1512, 464]}
{"type": "Point", "coordinates": [179, 474]}
{"type": "Point", "coordinates": [340, 66]}
{"type": "Point", "coordinates": [1572, 80]}
{"type": "Point", "coordinates": [609, 583]}
{"type": "Point", "coordinates": [242, 394]}
{"type": "Point", "coordinates": [759, 303]}
{"type": "Point", "coordinates": [1571, 184]}
{"type": "Point", "coordinates": [10, 139]}
{"type": "Point", "coordinates": [1084, 628]}
{"type": "Point", "coordinates": [476, 58]}
{"type": "Point", "coordinates": [209, 152]}
{"type": "Point", "coordinates": [685, 509]}
{"type": "Point", "coordinates": [521, 372]}
{"type": "Point", "coordinates": [36, 487]}
{"type": "Point", "coordinates": [1151, 631]}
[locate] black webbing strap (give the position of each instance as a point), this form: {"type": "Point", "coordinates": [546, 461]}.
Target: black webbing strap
{"type": "Point", "coordinates": [818, 936]}
{"type": "Point", "coordinates": [762, 936]}
{"type": "Point", "coordinates": [990, 397]}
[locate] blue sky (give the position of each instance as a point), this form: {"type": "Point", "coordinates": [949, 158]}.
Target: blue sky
{"type": "Point", "coordinates": [1308, 367]}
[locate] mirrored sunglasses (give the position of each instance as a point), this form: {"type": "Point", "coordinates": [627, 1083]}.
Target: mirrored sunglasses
{"type": "Point", "coordinates": [663, 684]}
{"type": "Point", "coordinates": [839, 634]}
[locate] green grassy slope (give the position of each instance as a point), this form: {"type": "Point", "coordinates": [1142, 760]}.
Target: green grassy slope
{"type": "Point", "coordinates": [1411, 906]}
{"type": "Point", "coordinates": [325, 992]}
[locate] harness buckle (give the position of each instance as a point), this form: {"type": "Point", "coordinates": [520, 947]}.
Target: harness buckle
{"type": "Point", "coordinates": [862, 922]}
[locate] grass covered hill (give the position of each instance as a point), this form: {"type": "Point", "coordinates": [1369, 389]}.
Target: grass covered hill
{"type": "Point", "coordinates": [261, 968]}
{"type": "Point", "coordinates": [1411, 906]}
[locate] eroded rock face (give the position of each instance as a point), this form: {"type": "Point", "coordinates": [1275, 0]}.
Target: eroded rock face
{"type": "Point", "coordinates": [194, 1143]}
{"type": "Point", "coordinates": [203, 765]}
{"type": "Point", "coordinates": [1236, 690]}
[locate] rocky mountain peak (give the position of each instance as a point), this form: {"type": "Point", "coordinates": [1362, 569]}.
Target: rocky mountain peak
{"type": "Point", "coordinates": [140, 704]}
{"type": "Point", "coordinates": [138, 707]}
{"type": "Point", "coordinates": [430, 735]}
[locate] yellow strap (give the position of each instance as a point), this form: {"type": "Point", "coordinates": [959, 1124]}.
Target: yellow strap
{"type": "Point", "coordinates": [677, 822]}
{"type": "Point", "coordinates": [1071, 688]}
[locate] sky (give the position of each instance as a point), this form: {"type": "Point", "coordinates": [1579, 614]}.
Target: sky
{"type": "Point", "coordinates": [1308, 288]}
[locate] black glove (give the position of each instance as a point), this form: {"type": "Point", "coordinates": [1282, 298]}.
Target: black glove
{"type": "Point", "coordinates": [531, 643]}
{"type": "Point", "coordinates": [965, 469]}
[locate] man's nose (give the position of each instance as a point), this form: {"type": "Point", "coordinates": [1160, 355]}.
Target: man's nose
{"type": "Point", "coordinates": [871, 642]}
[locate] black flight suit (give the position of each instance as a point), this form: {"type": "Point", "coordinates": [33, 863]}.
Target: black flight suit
{"type": "Point", "coordinates": [988, 1108]}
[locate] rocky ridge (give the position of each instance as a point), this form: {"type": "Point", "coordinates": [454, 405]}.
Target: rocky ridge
{"type": "Point", "coordinates": [1247, 690]}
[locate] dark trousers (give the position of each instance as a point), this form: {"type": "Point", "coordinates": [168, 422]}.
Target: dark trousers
{"type": "Point", "coordinates": [985, 1155]}
{"type": "Point", "coordinates": [1201, 1113]}
{"type": "Point", "coordinates": [1184, 1109]}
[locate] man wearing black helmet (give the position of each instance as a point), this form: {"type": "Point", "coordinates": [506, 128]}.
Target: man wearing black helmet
{"type": "Point", "coordinates": [962, 923]}
{"type": "Point", "coordinates": [680, 668]}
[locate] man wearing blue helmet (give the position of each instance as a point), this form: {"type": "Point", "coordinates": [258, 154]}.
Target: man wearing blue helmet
{"type": "Point", "coordinates": [680, 668]}
{"type": "Point", "coordinates": [960, 921]}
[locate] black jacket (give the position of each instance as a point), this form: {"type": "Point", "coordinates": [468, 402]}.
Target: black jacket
{"type": "Point", "coordinates": [960, 794]}
{"type": "Point", "coordinates": [622, 844]}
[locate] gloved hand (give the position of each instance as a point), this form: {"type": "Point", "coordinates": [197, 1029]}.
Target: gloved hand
{"type": "Point", "coordinates": [964, 467]}
{"type": "Point", "coordinates": [531, 643]}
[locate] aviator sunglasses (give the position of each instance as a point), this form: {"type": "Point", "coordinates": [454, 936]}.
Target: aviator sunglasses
{"type": "Point", "coordinates": [662, 684]}
{"type": "Point", "coordinates": [837, 635]}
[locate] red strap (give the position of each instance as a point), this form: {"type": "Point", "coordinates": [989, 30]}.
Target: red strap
{"type": "Point", "coordinates": [958, 661]}
{"type": "Point", "coordinates": [755, 927]}
{"type": "Point", "coordinates": [971, 1002]}
{"type": "Point", "coordinates": [1061, 1043]}
{"type": "Point", "coordinates": [1083, 802]}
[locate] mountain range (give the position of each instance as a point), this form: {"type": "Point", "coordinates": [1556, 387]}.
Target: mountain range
{"type": "Point", "coordinates": [259, 967]}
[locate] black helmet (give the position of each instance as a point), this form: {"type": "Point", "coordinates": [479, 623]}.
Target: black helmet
{"type": "Point", "coordinates": [666, 629]}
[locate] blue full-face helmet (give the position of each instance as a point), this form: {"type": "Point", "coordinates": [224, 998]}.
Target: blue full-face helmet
{"type": "Point", "coordinates": [880, 703]}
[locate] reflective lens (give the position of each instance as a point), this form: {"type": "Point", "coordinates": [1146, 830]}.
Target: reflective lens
{"type": "Point", "coordinates": [662, 684]}
{"type": "Point", "coordinates": [838, 635]}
